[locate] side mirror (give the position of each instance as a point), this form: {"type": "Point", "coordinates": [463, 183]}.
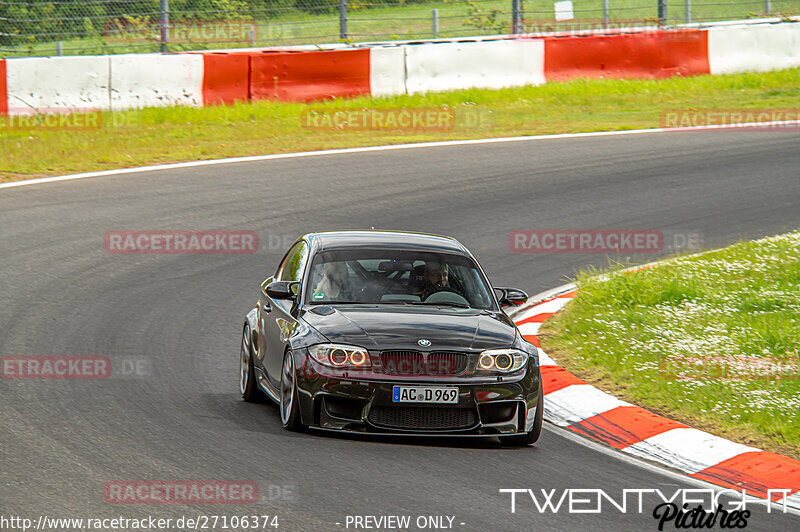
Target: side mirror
{"type": "Point", "coordinates": [511, 296]}
{"type": "Point", "coordinates": [282, 289]}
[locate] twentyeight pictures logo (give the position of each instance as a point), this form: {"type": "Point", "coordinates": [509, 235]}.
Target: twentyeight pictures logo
{"type": "Point", "coordinates": [181, 242]}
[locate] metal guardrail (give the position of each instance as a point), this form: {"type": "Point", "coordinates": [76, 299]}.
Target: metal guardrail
{"type": "Point", "coordinates": [70, 27]}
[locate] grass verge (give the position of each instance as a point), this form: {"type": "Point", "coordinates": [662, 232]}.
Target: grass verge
{"type": "Point", "coordinates": [174, 134]}
{"type": "Point", "coordinates": [710, 340]}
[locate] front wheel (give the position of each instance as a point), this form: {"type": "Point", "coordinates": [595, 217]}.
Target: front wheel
{"type": "Point", "coordinates": [247, 374]}
{"type": "Point", "coordinates": [290, 409]}
{"type": "Point", "coordinates": [533, 436]}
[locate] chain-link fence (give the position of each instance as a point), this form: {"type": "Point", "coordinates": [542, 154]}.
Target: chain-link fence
{"type": "Point", "coordinates": [56, 27]}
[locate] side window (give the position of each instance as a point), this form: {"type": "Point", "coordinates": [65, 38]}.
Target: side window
{"type": "Point", "coordinates": [285, 261]}
{"type": "Point", "coordinates": [292, 268]}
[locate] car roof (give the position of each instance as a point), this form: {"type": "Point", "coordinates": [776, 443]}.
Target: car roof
{"type": "Point", "coordinates": [328, 240]}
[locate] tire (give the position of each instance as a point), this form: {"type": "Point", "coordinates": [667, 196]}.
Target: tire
{"type": "Point", "coordinates": [523, 440]}
{"type": "Point", "coordinates": [289, 404]}
{"type": "Point", "coordinates": [247, 373]}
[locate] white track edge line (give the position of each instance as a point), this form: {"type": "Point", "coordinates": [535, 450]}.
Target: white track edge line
{"type": "Point", "coordinates": [254, 158]}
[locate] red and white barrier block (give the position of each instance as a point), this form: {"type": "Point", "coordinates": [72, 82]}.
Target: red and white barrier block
{"type": "Point", "coordinates": [580, 407]}
{"type": "Point", "coordinates": [102, 82]}
{"type": "Point", "coordinates": [753, 48]}
{"type": "Point", "coordinates": [213, 78]}
{"type": "Point", "coordinates": [643, 55]}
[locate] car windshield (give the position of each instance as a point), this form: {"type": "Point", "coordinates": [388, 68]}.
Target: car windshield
{"type": "Point", "coordinates": [397, 277]}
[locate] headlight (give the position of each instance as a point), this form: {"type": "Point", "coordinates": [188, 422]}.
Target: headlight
{"type": "Point", "coordinates": [340, 356]}
{"type": "Point", "coordinates": [502, 360]}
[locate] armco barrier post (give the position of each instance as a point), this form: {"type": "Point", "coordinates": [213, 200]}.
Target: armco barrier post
{"type": "Point", "coordinates": [516, 16]}
{"type": "Point", "coordinates": [606, 15]}
{"type": "Point", "coordinates": [662, 12]}
{"type": "Point", "coordinates": [768, 6]}
{"type": "Point", "coordinates": [164, 25]}
{"type": "Point", "coordinates": [688, 6]}
{"type": "Point", "coordinates": [343, 19]}
{"type": "Point", "coordinates": [435, 16]}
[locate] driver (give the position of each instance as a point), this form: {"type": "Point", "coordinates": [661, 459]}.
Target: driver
{"type": "Point", "coordinates": [335, 283]}
{"type": "Point", "coordinates": [434, 279]}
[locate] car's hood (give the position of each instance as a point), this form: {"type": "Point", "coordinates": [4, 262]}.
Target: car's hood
{"type": "Point", "coordinates": [401, 327]}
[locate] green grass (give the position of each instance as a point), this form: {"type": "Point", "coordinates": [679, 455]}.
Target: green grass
{"type": "Point", "coordinates": [413, 21]}
{"type": "Point", "coordinates": [710, 340]}
{"type": "Point", "coordinates": [174, 134]}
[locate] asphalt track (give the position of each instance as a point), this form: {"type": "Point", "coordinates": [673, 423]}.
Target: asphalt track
{"type": "Point", "coordinates": [63, 294]}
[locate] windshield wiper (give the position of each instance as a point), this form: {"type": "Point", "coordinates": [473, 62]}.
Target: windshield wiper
{"type": "Point", "coordinates": [392, 302]}
{"type": "Point", "coordinates": [397, 302]}
{"type": "Point", "coordinates": [341, 303]}
{"type": "Point", "coordinates": [442, 304]}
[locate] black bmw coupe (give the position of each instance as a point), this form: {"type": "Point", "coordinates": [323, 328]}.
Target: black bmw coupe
{"type": "Point", "coordinates": [387, 332]}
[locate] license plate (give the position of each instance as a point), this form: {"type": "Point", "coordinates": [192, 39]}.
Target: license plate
{"type": "Point", "coordinates": [424, 394]}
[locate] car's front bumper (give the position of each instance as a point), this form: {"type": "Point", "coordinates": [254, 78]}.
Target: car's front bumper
{"type": "Point", "coordinates": [487, 407]}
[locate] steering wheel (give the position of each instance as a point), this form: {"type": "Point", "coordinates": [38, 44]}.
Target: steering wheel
{"type": "Point", "coordinates": [442, 289]}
